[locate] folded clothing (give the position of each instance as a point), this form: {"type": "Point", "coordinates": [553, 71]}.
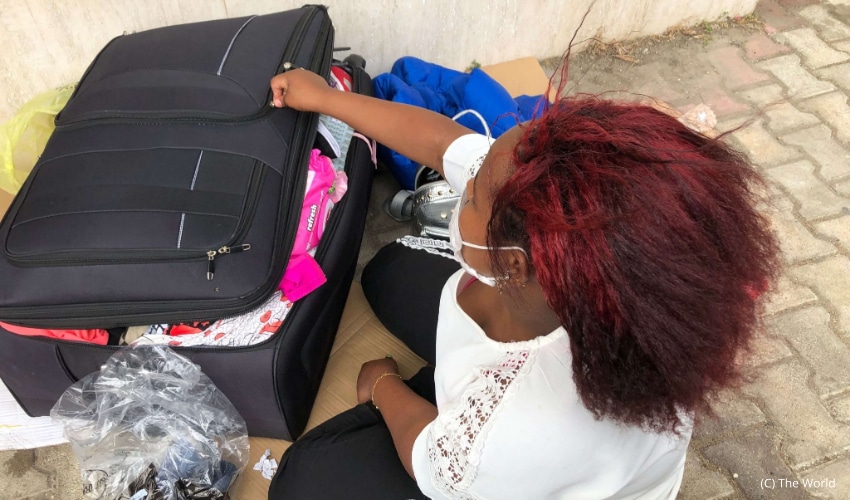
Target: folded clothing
{"type": "Point", "coordinates": [303, 275]}
{"type": "Point", "coordinates": [250, 328]}
{"type": "Point", "coordinates": [320, 195]}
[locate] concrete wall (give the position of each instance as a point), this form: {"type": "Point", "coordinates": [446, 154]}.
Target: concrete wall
{"type": "Point", "coordinates": [48, 43]}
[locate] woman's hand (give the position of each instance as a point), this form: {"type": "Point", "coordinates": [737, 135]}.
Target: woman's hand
{"type": "Point", "coordinates": [369, 373]}
{"type": "Point", "coordinates": [417, 133]}
{"type": "Point", "coordinates": [299, 89]}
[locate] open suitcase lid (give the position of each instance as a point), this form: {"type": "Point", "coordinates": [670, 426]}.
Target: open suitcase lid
{"type": "Point", "coordinates": [166, 163]}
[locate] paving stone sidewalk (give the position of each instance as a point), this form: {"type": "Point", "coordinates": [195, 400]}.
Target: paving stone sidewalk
{"type": "Point", "coordinates": [786, 434]}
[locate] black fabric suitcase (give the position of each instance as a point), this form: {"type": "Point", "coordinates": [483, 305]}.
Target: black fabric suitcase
{"type": "Point", "coordinates": [168, 151]}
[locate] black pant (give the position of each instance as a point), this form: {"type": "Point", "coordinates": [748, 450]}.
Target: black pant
{"type": "Point", "coordinates": [352, 455]}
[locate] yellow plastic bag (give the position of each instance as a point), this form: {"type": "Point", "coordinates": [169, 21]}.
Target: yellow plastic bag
{"type": "Point", "coordinates": [23, 137]}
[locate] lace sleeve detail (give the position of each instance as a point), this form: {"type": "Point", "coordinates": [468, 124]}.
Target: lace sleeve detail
{"type": "Point", "coordinates": [456, 438]}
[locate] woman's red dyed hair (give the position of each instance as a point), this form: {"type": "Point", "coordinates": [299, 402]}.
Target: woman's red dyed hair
{"type": "Point", "coordinates": [645, 239]}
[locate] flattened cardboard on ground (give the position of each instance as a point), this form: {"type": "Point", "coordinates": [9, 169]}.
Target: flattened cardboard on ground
{"type": "Point", "coordinates": [360, 338]}
{"type": "Point", "coordinates": [522, 76]}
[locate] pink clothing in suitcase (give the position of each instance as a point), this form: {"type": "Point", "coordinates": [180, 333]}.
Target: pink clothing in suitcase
{"type": "Point", "coordinates": [325, 187]}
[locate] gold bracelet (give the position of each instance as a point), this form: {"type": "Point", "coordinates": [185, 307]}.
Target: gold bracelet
{"type": "Point", "coordinates": [387, 374]}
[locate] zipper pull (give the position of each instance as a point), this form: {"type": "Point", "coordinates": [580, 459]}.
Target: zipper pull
{"type": "Point", "coordinates": [210, 265]}
{"type": "Point", "coordinates": [211, 255]}
{"type": "Point", "coordinates": [235, 249]}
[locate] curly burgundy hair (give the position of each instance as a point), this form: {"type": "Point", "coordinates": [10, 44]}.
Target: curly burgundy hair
{"type": "Point", "coordinates": [645, 239]}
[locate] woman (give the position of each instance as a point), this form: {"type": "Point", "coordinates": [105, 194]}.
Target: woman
{"type": "Point", "coordinates": [611, 262]}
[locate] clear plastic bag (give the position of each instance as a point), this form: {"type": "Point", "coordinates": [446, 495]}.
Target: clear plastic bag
{"type": "Point", "coordinates": [151, 426]}
{"type": "Point", "coordinates": [23, 137]}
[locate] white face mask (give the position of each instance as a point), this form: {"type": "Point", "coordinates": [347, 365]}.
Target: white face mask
{"type": "Point", "coordinates": [457, 244]}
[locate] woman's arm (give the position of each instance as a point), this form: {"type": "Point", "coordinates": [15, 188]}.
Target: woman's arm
{"type": "Point", "coordinates": [417, 133]}
{"type": "Point", "coordinates": [405, 412]}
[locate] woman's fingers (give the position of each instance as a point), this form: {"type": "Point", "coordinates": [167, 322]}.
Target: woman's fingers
{"type": "Point", "coordinates": [278, 85]}
{"type": "Point", "coordinates": [299, 89]}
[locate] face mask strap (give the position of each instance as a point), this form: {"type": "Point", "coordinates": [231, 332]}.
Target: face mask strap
{"type": "Point", "coordinates": [477, 115]}
{"type": "Point", "coordinates": [481, 247]}
{"type": "Point", "coordinates": [498, 281]}
{"type": "Point", "coordinates": [457, 243]}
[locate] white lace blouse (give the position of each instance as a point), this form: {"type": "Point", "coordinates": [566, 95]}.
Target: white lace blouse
{"type": "Point", "coordinates": [511, 425]}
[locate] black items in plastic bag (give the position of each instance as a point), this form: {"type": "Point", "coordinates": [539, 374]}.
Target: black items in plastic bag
{"type": "Point", "coordinates": [149, 426]}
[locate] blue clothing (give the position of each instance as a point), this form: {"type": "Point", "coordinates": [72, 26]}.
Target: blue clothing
{"type": "Point", "coordinates": [448, 92]}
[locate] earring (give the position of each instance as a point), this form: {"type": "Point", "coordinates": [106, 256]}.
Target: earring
{"type": "Point", "coordinates": [501, 280]}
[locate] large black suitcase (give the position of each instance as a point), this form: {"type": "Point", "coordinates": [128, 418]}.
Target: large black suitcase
{"type": "Point", "coordinates": [167, 151]}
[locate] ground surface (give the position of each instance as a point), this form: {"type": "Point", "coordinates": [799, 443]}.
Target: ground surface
{"type": "Point", "coordinates": [785, 435]}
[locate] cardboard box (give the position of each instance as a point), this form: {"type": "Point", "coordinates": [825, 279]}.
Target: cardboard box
{"type": "Point", "coordinates": [522, 76]}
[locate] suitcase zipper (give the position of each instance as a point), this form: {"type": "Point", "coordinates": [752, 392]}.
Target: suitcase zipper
{"type": "Point", "coordinates": [209, 256]}
{"type": "Point", "coordinates": [297, 39]}
{"type": "Point", "coordinates": [72, 258]}
{"type": "Point", "coordinates": [225, 250]}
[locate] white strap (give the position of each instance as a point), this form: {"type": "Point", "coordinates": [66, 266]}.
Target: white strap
{"type": "Point", "coordinates": [477, 114]}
